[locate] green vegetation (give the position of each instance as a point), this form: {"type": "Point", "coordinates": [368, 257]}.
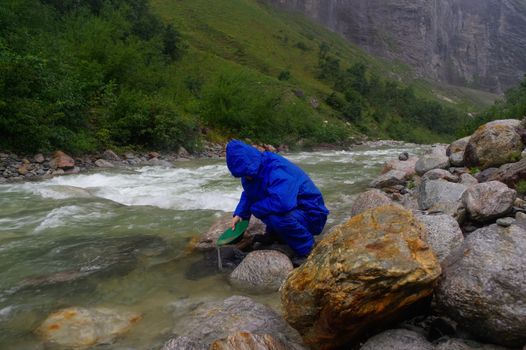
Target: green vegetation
{"type": "Point", "coordinates": [85, 75]}
{"type": "Point", "coordinates": [474, 171]}
{"type": "Point", "coordinates": [512, 106]}
{"type": "Point", "coordinates": [521, 187]}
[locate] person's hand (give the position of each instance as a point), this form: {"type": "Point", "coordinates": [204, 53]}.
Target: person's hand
{"type": "Point", "coordinates": [234, 221]}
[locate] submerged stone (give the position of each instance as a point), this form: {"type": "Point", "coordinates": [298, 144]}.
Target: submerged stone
{"type": "Point", "coordinates": [82, 328]}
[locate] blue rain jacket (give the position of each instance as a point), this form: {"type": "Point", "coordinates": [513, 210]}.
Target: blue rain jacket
{"type": "Point", "coordinates": [278, 187]}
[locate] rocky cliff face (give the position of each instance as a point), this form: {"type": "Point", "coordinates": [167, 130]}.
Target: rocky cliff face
{"type": "Point", "coordinates": [477, 43]}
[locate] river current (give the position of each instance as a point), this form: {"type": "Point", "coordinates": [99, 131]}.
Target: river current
{"type": "Point", "coordinates": [118, 238]}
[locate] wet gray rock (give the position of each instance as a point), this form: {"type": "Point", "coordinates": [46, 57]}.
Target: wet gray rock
{"type": "Point", "coordinates": [443, 234]}
{"type": "Point", "coordinates": [442, 196]}
{"type": "Point", "coordinates": [403, 156]}
{"type": "Point", "coordinates": [407, 166]}
{"type": "Point", "coordinates": [389, 179]}
{"type": "Point", "coordinates": [431, 161]}
{"type": "Point", "coordinates": [520, 220]}
{"type": "Point", "coordinates": [455, 151]}
{"type": "Point", "coordinates": [39, 158]}
{"type": "Point", "coordinates": [505, 222]}
{"type": "Point", "coordinates": [398, 339]}
{"type": "Point", "coordinates": [87, 257]}
{"type": "Point", "coordinates": [511, 173]}
{"type": "Point", "coordinates": [485, 174]}
{"type": "Point", "coordinates": [440, 174]}
{"type": "Point", "coordinates": [483, 287]}
{"type": "Point", "coordinates": [462, 344]}
{"type": "Point", "coordinates": [183, 153]}
{"type": "Point", "coordinates": [217, 320]}
{"type": "Point", "coordinates": [489, 200]}
{"type": "Point", "coordinates": [369, 200]}
{"type": "Point", "coordinates": [457, 159]}
{"type": "Point", "coordinates": [468, 180]}
{"type": "Point", "coordinates": [101, 163]}
{"type": "Point", "coordinates": [184, 343]}
{"type": "Point", "coordinates": [250, 341]}
{"type": "Point", "coordinates": [111, 156]}
{"type": "Point", "coordinates": [261, 271]}
{"type": "Point", "coordinates": [159, 162]}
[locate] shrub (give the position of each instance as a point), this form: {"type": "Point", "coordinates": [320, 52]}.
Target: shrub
{"type": "Point", "coordinates": [284, 75]}
{"type": "Point", "coordinates": [521, 187]}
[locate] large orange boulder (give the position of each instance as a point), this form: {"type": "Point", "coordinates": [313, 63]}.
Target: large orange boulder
{"type": "Point", "coordinates": [363, 273]}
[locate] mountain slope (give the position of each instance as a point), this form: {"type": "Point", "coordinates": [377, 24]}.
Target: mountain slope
{"type": "Point", "coordinates": [463, 42]}
{"type": "Point", "coordinates": [84, 76]}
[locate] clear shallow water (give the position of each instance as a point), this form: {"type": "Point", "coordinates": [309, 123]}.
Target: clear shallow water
{"type": "Point", "coordinates": [118, 239]}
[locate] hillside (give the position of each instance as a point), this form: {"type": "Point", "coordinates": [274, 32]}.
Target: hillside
{"type": "Point", "coordinates": [164, 74]}
{"type": "Point", "coordinates": [467, 43]}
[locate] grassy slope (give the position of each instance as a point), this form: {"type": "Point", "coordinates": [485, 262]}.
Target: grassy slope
{"type": "Point", "coordinates": [247, 35]}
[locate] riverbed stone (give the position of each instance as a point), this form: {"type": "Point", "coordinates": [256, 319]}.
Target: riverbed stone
{"type": "Point", "coordinates": [85, 257]}
{"type": "Point", "coordinates": [505, 222]}
{"type": "Point", "coordinates": [184, 343]}
{"type": "Point", "coordinates": [494, 144]}
{"type": "Point", "coordinates": [440, 174]}
{"type": "Point", "coordinates": [389, 179]}
{"type": "Point", "coordinates": [431, 161]}
{"type": "Point", "coordinates": [261, 271]}
{"type": "Point", "coordinates": [361, 274]}
{"type": "Point", "coordinates": [406, 166]}
{"type": "Point", "coordinates": [39, 158]}
{"type": "Point", "coordinates": [483, 288]}
{"type": "Point", "coordinates": [468, 180]}
{"type": "Point", "coordinates": [207, 241]}
{"type": "Point", "coordinates": [456, 149]}
{"type": "Point", "coordinates": [62, 161]}
{"type": "Point", "coordinates": [403, 156]}
{"type": "Point", "coordinates": [101, 163]}
{"type": "Point", "coordinates": [442, 196]}
{"type": "Point", "coordinates": [109, 155]}
{"type": "Point", "coordinates": [369, 200]}
{"type": "Point", "coordinates": [250, 341]}
{"type": "Point", "coordinates": [510, 174]}
{"type": "Point", "coordinates": [219, 319]}
{"type": "Point", "coordinates": [23, 169]}
{"type": "Point", "coordinates": [463, 344]}
{"type": "Point", "coordinates": [443, 234]}
{"type": "Point", "coordinates": [488, 200]}
{"type": "Point", "coordinates": [398, 339]}
{"type": "Point", "coordinates": [78, 327]}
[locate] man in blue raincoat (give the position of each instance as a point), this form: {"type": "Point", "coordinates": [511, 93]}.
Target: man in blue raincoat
{"type": "Point", "coordinates": [278, 193]}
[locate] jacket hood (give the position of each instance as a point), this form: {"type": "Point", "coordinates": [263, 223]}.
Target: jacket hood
{"type": "Point", "coordinates": [242, 159]}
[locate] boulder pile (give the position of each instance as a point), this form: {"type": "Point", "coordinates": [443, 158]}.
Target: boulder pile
{"type": "Point", "coordinates": [433, 256]}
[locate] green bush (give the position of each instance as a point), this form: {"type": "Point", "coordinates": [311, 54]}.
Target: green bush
{"type": "Point", "coordinates": [80, 76]}
{"type": "Point", "coordinates": [521, 187]}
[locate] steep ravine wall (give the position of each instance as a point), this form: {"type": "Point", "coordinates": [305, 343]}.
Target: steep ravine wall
{"type": "Point", "coordinates": [476, 43]}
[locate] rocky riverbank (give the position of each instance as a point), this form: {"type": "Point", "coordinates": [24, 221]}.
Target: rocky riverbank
{"type": "Point", "coordinates": [15, 167]}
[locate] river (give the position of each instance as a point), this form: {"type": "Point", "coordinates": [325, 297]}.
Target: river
{"type": "Point", "coordinates": [116, 238]}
